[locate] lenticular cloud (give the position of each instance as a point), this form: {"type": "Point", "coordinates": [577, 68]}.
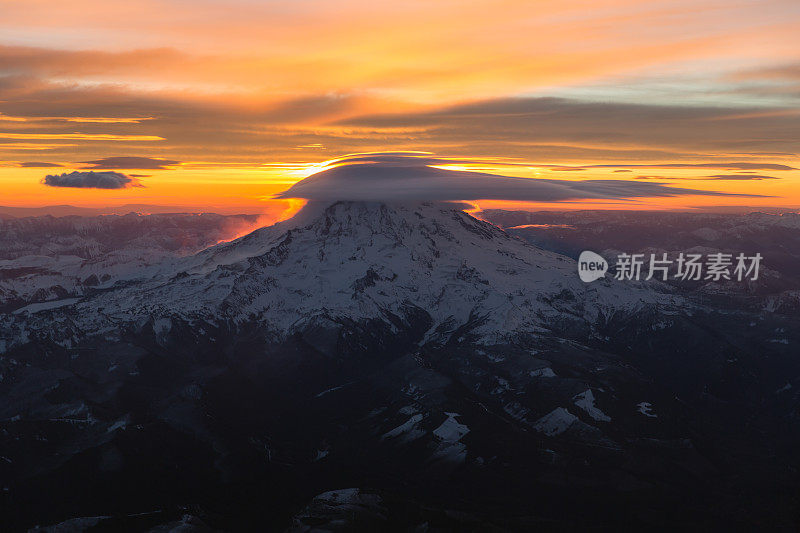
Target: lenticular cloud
{"type": "Point", "coordinates": [399, 177]}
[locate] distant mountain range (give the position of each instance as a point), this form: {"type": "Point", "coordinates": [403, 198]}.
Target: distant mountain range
{"type": "Point", "coordinates": [774, 236]}
{"type": "Point", "coordinates": [70, 210]}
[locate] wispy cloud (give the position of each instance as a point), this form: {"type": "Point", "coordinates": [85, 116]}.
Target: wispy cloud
{"type": "Point", "coordinates": [715, 177]}
{"type": "Point", "coordinates": [784, 72]}
{"type": "Point", "coordinates": [625, 135]}
{"type": "Point", "coordinates": [720, 165]}
{"type": "Point", "coordinates": [554, 133]}
{"type": "Point", "coordinates": [78, 136]}
{"type": "Point", "coordinates": [743, 177]}
{"type": "Point", "coordinates": [38, 164]}
{"type": "Point", "coordinates": [128, 162]}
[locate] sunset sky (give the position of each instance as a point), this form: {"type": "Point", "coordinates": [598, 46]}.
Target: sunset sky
{"type": "Point", "coordinates": [219, 105]}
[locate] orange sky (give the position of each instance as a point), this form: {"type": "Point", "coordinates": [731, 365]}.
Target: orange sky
{"type": "Point", "coordinates": [243, 98]}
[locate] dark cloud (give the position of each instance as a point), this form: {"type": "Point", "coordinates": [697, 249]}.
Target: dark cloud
{"type": "Point", "coordinates": [721, 165]}
{"type": "Point", "coordinates": [570, 129]}
{"type": "Point", "coordinates": [143, 163]}
{"type": "Point", "coordinates": [36, 164]}
{"type": "Point", "coordinates": [773, 82]}
{"type": "Point", "coordinates": [789, 72]}
{"type": "Point", "coordinates": [91, 180]}
{"type": "Point", "coordinates": [216, 129]}
{"type": "Point", "coordinates": [746, 209]}
{"type": "Point", "coordinates": [741, 177]}
{"type": "Point", "coordinates": [409, 178]}
{"type": "Point", "coordinates": [49, 62]}
{"type": "Point", "coordinates": [730, 177]}
{"type": "Point", "coordinates": [544, 131]}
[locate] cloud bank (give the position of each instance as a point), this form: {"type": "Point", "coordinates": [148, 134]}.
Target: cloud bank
{"type": "Point", "coordinates": [722, 165]}
{"type": "Point", "coordinates": [37, 164]}
{"type": "Point", "coordinates": [142, 163]}
{"type": "Point", "coordinates": [396, 177]}
{"type": "Point", "coordinates": [91, 180]}
{"type": "Point", "coordinates": [741, 177]}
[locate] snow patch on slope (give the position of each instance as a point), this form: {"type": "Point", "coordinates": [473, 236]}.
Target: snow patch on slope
{"type": "Point", "coordinates": [555, 422]}
{"type": "Point", "coordinates": [585, 401]}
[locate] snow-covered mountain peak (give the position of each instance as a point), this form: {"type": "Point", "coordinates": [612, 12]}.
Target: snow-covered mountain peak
{"type": "Point", "coordinates": [348, 220]}
{"type": "Point", "coordinates": [358, 261]}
